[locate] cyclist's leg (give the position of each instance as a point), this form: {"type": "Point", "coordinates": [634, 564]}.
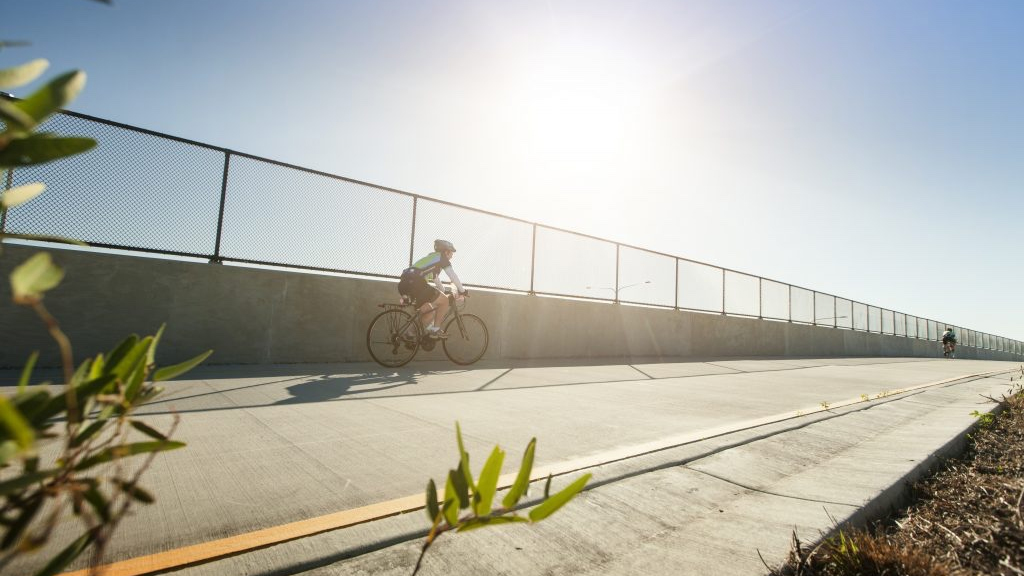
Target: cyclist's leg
{"type": "Point", "coordinates": [429, 300]}
{"type": "Point", "coordinates": [442, 309]}
{"type": "Point", "coordinates": [434, 312]}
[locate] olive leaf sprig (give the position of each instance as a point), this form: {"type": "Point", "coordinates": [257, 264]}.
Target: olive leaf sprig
{"type": "Point", "coordinates": [462, 493]}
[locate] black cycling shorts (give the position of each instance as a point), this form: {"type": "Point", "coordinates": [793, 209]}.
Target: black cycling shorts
{"type": "Point", "coordinates": [417, 287]}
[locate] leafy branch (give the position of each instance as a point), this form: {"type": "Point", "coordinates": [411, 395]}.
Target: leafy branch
{"type": "Point", "coordinates": [97, 404]}
{"type": "Point", "coordinates": [87, 475]}
{"type": "Point", "coordinates": [477, 498]}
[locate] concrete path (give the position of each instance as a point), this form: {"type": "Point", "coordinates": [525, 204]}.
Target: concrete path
{"type": "Point", "coordinates": [698, 466]}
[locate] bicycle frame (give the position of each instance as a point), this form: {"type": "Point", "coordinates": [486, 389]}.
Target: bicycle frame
{"type": "Point", "coordinates": [453, 309]}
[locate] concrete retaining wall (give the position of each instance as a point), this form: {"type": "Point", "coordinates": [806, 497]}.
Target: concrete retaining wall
{"type": "Point", "coordinates": [266, 316]}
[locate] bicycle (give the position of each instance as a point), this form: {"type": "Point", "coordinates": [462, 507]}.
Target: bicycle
{"type": "Point", "coordinates": [949, 349]}
{"type": "Point", "coordinates": [396, 335]}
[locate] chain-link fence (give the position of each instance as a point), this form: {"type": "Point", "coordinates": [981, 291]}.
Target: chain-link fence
{"type": "Point", "coordinates": [144, 191]}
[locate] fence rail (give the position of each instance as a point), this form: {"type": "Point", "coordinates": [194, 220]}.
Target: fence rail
{"type": "Point", "coordinates": [145, 191]}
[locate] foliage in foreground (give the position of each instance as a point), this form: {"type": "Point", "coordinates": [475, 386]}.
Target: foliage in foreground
{"type": "Point", "coordinates": [88, 474]}
{"type": "Point", "coordinates": [476, 497]}
{"type": "Point", "coordinates": [83, 471]}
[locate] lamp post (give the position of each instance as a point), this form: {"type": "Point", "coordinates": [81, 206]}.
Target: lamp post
{"type": "Point", "coordinates": [618, 289]}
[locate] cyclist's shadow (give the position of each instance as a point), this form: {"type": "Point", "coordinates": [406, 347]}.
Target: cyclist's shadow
{"type": "Point", "coordinates": [326, 387]}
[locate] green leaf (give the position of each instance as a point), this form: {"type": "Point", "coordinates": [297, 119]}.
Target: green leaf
{"type": "Point", "coordinates": [68, 555]}
{"type": "Point", "coordinates": [29, 403]}
{"type": "Point", "coordinates": [8, 450]}
{"type": "Point", "coordinates": [474, 523]}
{"type": "Point", "coordinates": [552, 504]}
{"type": "Point", "coordinates": [19, 194]}
{"type": "Point", "coordinates": [26, 372]}
{"type": "Point", "coordinates": [25, 480]}
{"type": "Point", "coordinates": [522, 482]}
{"type": "Point", "coordinates": [16, 425]}
{"type": "Point", "coordinates": [14, 530]}
{"type": "Point", "coordinates": [12, 43]}
{"type": "Point", "coordinates": [42, 148]}
{"type": "Point", "coordinates": [107, 412]}
{"type": "Point", "coordinates": [547, 487]}
{"type": "Point", "coordinates": [96, 367]}
{"type": "Point", "coordinates": [80, 374]}
{"type": "Point", "coordinates": [15, 118]}
{"type": "Point", "coordinates": [118, 354]}
{"type": "Point", "coordinates": [169, 372]}
{"type": "Point", "coordinates": [98, 501]}
{"type": "Point", "coordinates": [488, 483]}
{"type": "Point", "coordinates": [461, 490]}
{"type": "Point", "coordinates": [450, 506]}
{"type": "Point", "coordinates": [464, 458]}
{"type": "Point", "coordinates": [135, 491]}
{"type": "Point", "coordinates": [23, 74]}
{"type": "Point", "coordinates": [132, 367]}
{"type": "Point", "coordinates": [35, 276]}
{"type": "Point", "coordinates": [58, 403]}
{"type": "Point", "coordinates": [451, 511]}
{"type": "Point", "coordinates": [432, 509]}
{"type": "Point", "coordinates": [55, 95]}
{"type": "Point", "coordinates": [88, 432]}
{"type": "Point", "coordinates": [156, 434]}
{"type": "Point", "coordinates": [125, 451]}
{"type": "Point", "coordinates": [151, 355]}
{"type": "Point", "coordinates": [135, 380]}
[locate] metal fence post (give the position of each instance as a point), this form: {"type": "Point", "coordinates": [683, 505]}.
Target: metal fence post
{"type": "Point", "coordinates": [760, 298]}
{"type": "Point", "coordinates": [617, 247]}
{"type": "Point", "coordinates": [533, 259]}
{"type": "Point", "coordinates": [723, 291]}
{"type": "Point", "coordinates": [789, 304]}
{"type": "Point", "coordinates": [814, 308]}
{"type": "Point", "coordinates": [412, 235]}
{"type": "Point", "coordinates": [835, 313]}
{"type": "Point", "coordinates": [677, 284]}
{"type": "Point", "coordinates": [220, 216]}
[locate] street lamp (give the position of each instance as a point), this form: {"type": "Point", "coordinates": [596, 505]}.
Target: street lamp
{"type": "Point", "coordinates": [617, 290]}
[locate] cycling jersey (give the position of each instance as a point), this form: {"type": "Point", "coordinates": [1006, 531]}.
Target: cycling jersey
{"type": "Point", "coordinates": [429, 268]}
{"type": "Point", "coordinates": [949, 337]}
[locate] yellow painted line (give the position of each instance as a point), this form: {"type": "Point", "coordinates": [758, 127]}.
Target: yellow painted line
{"type": "Point", "coordinates": [215, 549]}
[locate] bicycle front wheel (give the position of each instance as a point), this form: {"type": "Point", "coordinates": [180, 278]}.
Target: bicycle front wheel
{"type": "Point", "coordinates": [393, 338]}
{"type": "Point", "coordinates": [467, 339]}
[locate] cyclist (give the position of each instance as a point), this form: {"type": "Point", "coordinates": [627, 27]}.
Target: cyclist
{"type": "Point", "coordinates": [431, 300]}
{"type": "Point", "coordinates": [949, 341]}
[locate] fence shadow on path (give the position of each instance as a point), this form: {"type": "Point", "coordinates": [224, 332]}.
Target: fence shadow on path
{"type": "Point", "coordinates": [219, 388]}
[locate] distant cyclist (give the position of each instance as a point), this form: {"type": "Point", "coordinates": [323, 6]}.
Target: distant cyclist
{"type": "Point", "coordinates": [430, 300]}
{"type": "Point", "coordinates": [949, 341]}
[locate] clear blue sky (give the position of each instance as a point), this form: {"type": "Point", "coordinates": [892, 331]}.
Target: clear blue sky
{"type": "Point", "coordinates": [871, 149]}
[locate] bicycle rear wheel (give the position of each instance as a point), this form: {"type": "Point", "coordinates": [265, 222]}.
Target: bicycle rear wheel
{"type": "Point", "coordinates": [393, 338]}
{"type": "Point", "coordinates": [467, 339]}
